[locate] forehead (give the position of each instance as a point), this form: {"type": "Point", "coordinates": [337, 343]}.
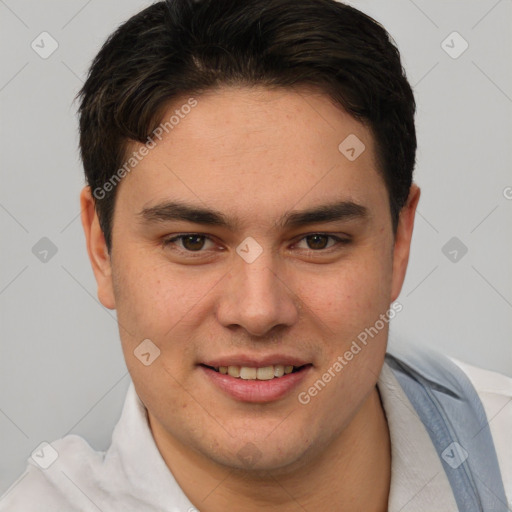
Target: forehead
{"type": "Point", "coordinates": [252, 149]}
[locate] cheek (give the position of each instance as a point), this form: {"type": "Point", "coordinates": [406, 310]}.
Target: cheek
{"type": "Point", "coordinates": [351, 296]}
{"type": "Point", "coordinates": [158, 300]}
{"type": "Point", "coordinates": [156, 303]}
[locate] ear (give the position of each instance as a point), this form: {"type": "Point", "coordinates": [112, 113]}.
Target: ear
{"type": "Point", "coordinates": [97, 249]}
{"type": "Point", "coordinates": [403, 241]}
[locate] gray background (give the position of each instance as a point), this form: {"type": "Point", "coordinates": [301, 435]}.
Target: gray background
{"type": "Point", "coordinates": [61, 365]}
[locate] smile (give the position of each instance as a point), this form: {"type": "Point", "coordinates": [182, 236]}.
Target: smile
{"type": "Point", "coordinates": [263, 373]}
{"type": "Point", "coordinates": [257, 384]}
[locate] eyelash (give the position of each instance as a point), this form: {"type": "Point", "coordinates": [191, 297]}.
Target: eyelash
{"type": "Point", "coordinates": [339, 242]}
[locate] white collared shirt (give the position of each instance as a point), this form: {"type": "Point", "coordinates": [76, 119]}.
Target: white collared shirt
{"type": "Point", "coordinates": [132, 476]}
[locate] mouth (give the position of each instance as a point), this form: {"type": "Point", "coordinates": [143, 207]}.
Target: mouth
{"type": "Point", "coordinates": [262, 382]}
{"type": "Point", "coordinates": [263, 379]}
{"type": "Point", "coordinates": [268, 372]}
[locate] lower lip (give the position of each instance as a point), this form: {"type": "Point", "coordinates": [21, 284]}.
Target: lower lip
{"type": "Point", "coordinates": [256, 390]}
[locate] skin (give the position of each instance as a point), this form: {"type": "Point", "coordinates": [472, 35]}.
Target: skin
{"type": "Point", "coordinates": [255, 154]}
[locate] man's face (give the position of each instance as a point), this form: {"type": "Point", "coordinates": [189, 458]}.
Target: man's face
{"type": "Point", "coordinates": [254, 156]}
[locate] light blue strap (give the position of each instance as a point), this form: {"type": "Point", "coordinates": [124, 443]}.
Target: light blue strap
{"type": "Point", "coordinates": [451, 410]}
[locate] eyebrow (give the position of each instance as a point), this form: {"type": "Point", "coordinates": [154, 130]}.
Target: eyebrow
{"type": "Point", "coordinates": [179, 211]}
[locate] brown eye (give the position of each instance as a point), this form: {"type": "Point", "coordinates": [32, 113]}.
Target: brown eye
{"type": "Point", "coordinates": [190, 242]}
{"type": "Point", "coordinates": [320, 241]}
{"type": "Point", "coordinates": [317, 241]}
{"type": "Point", "coordinates": [193, 242]}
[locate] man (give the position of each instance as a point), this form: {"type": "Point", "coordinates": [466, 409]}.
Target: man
{"type": "Point", "coordinates": [249, 214]}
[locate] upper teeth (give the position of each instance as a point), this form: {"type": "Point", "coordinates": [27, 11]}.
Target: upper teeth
{"type": "Point", "coordinates": [264, 373]}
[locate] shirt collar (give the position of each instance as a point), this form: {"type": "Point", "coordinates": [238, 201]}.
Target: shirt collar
{"type": "Point", "coordinates": [134, 453]}
{"type": "Point", "coordinates": [418, 480]}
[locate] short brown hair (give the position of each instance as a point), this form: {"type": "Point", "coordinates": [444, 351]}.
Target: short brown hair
{"type": "Point", "coordinates": [184, 47]}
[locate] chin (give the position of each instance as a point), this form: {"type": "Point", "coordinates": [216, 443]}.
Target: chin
{"type": "Point", "coordinates": [262, 456]}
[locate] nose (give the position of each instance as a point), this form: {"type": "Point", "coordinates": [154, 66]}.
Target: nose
{"type": "Point", "coordinates": [257, 298]}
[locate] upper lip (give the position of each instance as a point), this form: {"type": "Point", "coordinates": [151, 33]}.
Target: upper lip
{"type": "Point", "coordinates": [255, 362]}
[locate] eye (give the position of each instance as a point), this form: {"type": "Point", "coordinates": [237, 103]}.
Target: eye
{"type": "Point", "coordinates": [320, 241]}
{"type": "Point", "coordinates": [198, 243]}
{"type": "Point", "coordinates": [191, 242]}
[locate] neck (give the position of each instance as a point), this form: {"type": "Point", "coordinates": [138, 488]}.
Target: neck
{"type": "Point", "coordinates": [352, 473]}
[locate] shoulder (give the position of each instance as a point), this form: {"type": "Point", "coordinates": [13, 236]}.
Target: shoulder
{"type": "Point", "coordinates": [495, 392]}
{"type": "Point", "coordinates": [456, 383]}
{"type": "Point", "coordinates": [52, 477]}
{"type": "Point", "coordinates": [486, 382]}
